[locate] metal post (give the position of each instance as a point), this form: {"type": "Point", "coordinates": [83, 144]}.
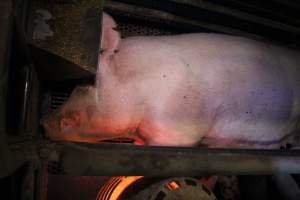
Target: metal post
{"type": "Point", "coordinates": [5, 42]}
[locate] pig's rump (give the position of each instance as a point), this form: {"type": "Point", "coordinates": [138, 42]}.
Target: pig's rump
{"type": "Point", "coordinates": [227, 90]}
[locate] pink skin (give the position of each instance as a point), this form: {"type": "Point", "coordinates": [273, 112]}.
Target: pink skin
{"type": "Point", "coordinates": [219, 90]}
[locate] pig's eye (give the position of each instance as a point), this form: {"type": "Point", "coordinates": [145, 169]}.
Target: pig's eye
{"type": "Point", "coordinates": [66, 124]}
{"type": "Point", "coordinates": [101, 51]}
{"type": "Point", "coordinates": [116, 29]}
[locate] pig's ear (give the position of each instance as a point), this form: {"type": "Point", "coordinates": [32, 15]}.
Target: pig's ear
{"type": "Point", "coordinates": [111, 38]}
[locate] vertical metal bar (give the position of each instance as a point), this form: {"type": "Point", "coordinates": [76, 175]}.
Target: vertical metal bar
{"type": "Point", "coordinates": [27, 125]}
{"type": "Point", "coordinates": [41, 182]}
{"type": "Point", "coordinates": [27, 185]}
{"type": "Point", "coordinates": [5, 43]}
{"type": "Point", "coordinates": [22, 122]}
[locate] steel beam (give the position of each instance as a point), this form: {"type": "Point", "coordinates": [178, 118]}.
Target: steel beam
{"type": "Point", "coordinates": [95, 160]}
{"type": "Point", "coordinates": [83, 159]}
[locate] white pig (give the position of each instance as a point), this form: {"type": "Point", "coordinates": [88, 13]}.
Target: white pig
{"type": "Point", "coordinates": [182, 90]}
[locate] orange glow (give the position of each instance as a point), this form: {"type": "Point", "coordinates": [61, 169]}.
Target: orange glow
{"type": "Point", "coordinates": [173, 185]}
{"type": "Point", "coordinates": [113, 189]}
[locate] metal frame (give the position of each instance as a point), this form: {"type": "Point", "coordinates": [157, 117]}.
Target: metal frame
{"type": "Point", "coordinates": [82, 159]}
{"type": "Point", "coordinates": [88, 159]}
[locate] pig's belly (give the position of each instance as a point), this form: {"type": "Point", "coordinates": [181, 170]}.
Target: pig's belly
{"type": "Point", "coordinates": [225, 133]}
{"type": "Point", "coordinates": [237, 134]}
{"type": "Point", "coordinates": [241, 133]}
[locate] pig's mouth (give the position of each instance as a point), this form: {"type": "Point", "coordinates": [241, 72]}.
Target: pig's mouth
{"type": "Point", "coordinates": [106, 140]}
{"type": "Point", "coordinates": [122, 140]}
{"type": "Point", "coordinates": [117, 140]}
{"type": "Point", "coordinates": [96, 139]}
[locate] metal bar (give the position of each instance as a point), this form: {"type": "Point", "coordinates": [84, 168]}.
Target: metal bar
{"type": "Point", "coordinates": [95, 160]}
{"type": "Point", "coordinates": [23, 151]}
{"type": "Point", "coordinates": [239, 14]}
{"type": "Point", "coordinates": [174, 20]}
{"type": "Point", "coordinates": [27, 184]}
{"type": "Point", "coordinates": [41, 182]}
{"type": "Point", "coordinates": [34, 155]}
{"type": "Point", "coordinates": [22, 126]}
{"type": "Point", "coordinates": [256, 8]}
{"type": "Point", "coordinates": [6, 14]}
{"type": "Point", "coordinates": [83, 159]}
{"type": "Point", "coordinates": [289, 3]}
{"type": "Point", "coordinates": [212, 17]}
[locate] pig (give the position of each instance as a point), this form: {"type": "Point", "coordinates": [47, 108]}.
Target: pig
{"type": "Point", "coordinates": [185, 90]}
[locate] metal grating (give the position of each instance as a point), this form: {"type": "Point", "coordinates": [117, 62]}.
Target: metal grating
{"type": "Point", "coordinates": [275, 20]}
{"type": "Point", "coordinates": [57, 99]}
{"type": "Point", "coordinates": [131, 29]}
{"type": "Point", "coordinates": [52, 100]}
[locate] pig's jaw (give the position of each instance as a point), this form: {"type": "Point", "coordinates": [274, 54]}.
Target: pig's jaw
{"type": "Point", "coordinates": [94, 137]}
{"type": "Point", "coordinates": [95, 133]}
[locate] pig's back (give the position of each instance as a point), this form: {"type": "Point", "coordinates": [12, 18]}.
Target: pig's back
{"type": "Point", "coordinates": [221, 86]}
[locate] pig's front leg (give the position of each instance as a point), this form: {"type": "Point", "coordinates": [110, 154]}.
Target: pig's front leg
{"type": "Point", "coordinates": [159, 133]}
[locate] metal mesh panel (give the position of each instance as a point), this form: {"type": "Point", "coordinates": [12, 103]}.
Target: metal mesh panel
{"type": "Point", "coordinates": [130, 29]}
{"type": "Point", "coordinates": [57, 99]}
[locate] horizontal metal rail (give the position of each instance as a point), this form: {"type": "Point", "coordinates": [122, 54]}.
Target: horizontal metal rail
{"type": "Point", "coordinates": [83, 159]}
{"type": "Point", "coordinates": [102, 159]}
